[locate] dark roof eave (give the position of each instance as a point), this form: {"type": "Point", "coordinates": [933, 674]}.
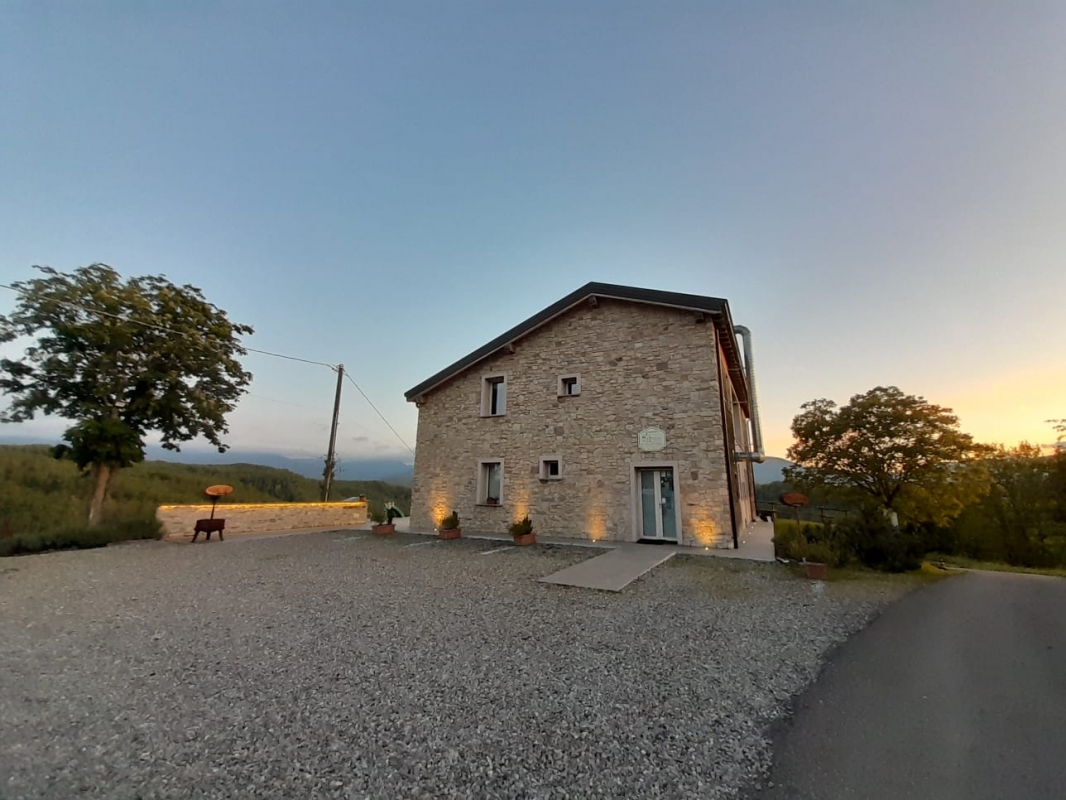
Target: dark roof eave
{"type": "Point", "coordinates": [716, 307]}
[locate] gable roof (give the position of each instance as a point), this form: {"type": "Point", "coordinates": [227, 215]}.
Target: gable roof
{"type": "Point", "coordinates": [716, 308]}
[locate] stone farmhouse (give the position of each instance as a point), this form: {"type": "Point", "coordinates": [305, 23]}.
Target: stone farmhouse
{"type": "Point", "coordinates": [616, 413]}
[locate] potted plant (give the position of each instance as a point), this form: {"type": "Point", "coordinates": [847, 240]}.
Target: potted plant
{"type": "Point", "coordinates": [382, 522]}
{"type": "Point", "coordinates": [492, 501]}
{"type": "Point", "coordinates": [817, 560]}
{"type": "Point", "coordinates": [523, 533]}
{"type": "Point", "coordinates": [449, 527]}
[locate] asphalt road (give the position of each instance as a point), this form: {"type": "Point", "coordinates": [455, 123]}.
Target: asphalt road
{"type": "Point", "coordinates": [956, 691]}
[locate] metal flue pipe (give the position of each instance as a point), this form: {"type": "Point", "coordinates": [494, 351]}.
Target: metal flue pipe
{"type": "Point", "coordinates": [757, 455]}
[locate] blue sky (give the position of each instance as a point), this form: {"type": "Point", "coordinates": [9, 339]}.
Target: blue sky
{"type": "Point", "coordinates": [880, 192]}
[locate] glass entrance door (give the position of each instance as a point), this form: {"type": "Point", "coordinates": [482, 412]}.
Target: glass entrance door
{"type": "Point", "coordinates": [658, 511]}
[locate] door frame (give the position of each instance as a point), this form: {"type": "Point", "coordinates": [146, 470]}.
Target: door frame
{"type": "Point", "coordinates": [634, 488]}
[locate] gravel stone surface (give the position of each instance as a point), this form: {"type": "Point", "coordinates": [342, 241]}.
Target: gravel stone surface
{"type": "Point", "coordinates": [340, 665]}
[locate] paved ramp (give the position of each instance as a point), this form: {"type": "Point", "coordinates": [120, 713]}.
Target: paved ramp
{"type": "Point", "coordinates": [615, 569]}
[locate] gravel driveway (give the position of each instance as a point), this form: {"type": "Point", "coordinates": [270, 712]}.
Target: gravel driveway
{"type": "Point", "coordinates": [337, 665]}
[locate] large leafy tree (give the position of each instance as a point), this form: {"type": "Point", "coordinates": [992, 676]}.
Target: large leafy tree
{"type": "Point", "coordinates": [120, 358]}
{"type": "Point", "coordinates": [1021, 503]}
{"type": "Point", "coordinates": [1058, 475]}
{"type": "Point", "coordinates": [890, 450]}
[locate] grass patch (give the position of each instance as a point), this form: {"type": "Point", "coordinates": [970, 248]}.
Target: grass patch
{"type": "Point", "coordinates": [80, 538]}
{"type": "Point", "coordinates": [927, 573]}
{"type": "Point", "coordinates": [961, 562]}
{"type": "Point", "coordinates": [790, 526]}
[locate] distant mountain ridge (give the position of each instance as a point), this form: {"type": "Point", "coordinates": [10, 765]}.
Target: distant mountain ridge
{"type": "Point", "coordinates": [771, 470]}
{"type": "Point", "coordinates": [390, 470]}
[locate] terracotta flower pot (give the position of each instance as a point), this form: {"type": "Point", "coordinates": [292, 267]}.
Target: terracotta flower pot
{"type": "Point", "coordinates": [521, 540]}
{"type": "Point", "coordinates": [450, 533]}
{"type": "Point", "coordinates": [814, 570]}
{"type": "Point", "coordinates": [383, 530]}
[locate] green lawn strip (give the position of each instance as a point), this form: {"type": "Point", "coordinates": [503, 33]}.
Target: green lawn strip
{"type": "Point", "coordinates": [927, 573]}
{"type": "Point", "coordinates": [961, 562]}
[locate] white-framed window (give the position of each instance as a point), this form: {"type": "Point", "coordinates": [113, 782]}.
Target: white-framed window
{"type": "Point", "coordinates": [493, 395]}
{"type": "Point", "coordinates": [551, 468]}
{"type": "Point", "coordinates": [569, 385]}
{"type": "Point", "coordinates": [490, 482]}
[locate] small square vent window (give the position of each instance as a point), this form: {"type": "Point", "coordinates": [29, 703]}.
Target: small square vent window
{"type": "Point", "coordinates": [569, 385]}
{"type": "Point", "coordinates": [551, 469]}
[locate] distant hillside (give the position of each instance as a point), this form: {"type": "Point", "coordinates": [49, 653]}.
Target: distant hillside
{"type": "Point", "coordinates": [390, 470]}
{"type": "Point", "coordinates": [770, 471]}
{"type": "Point", "coordinates": [359, 469]}
{"type": "Point", "coordinates": [407, 479]}
{"type": "Point", "coordinates": [39, 494]}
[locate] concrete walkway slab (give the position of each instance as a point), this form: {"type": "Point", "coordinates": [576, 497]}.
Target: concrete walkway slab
{"type": "Point", "coordinates": [756, 544]}
{"type": "Point", "coordinates": [615, 569]}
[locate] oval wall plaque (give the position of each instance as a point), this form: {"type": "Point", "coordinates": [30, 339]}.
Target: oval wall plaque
{"type": "Point", "coordinates": [651, 439]}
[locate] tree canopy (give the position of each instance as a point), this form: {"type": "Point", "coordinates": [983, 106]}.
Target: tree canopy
{"type": "Point", "coordinates": [1060, 428]}
{"type": "Point", "coordinates": [894, 450]}
{"type": "Point", "coordinates": [121, 358]}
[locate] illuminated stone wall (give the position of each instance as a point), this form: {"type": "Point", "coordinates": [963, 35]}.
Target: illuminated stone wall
{"type": "Point", "coordinates": [244, 518]}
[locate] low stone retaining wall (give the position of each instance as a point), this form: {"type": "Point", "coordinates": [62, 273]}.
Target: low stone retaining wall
{"type": "Point", "coordinates": [244, 518]}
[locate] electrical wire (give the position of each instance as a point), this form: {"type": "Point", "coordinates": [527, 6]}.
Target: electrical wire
{"type": "Point", "coordinates": [286, 402]}
{"type": "Point", "coordinates": [244, 347]}
{"type": "Point", "coordinates": [397, 435]}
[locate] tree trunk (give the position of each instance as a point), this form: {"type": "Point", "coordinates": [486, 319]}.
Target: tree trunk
{"type": "Point", "coordinates": [101, 480]}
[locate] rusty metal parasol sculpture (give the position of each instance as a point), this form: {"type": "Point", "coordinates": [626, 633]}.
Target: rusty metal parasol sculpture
{"type": "Point", "coordinates": [212, 525]}
{"type": "Point", "coordinates": [793, 500]}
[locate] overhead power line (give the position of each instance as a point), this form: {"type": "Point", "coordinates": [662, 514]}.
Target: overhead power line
{"type": "Point", "coordinates": [164, 329]}
{"type": "Point", "coordinates": [371, 402]}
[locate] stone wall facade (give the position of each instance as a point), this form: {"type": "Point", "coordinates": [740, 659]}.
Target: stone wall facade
{"type": "Point", "coordinates": [640, 366]}
{"type": "Point", "coordinates": [244, 518]}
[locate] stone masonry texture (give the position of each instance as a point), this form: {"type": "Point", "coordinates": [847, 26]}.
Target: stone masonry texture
{"type": "Point", "coordinates": [179, 521]}
{"type": "Point", "coordinates": [640, 366]}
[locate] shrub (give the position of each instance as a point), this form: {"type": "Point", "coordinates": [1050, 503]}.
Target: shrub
{"type": "Point", "coordinates": [820, 553]}
{"type": "Point", "coordinates": [872, 541]}
{"type": "Point", "coordinates": [784, 538]}
{"type": "Point", "coordinates": [377, 516]}
{"type": "Point", "coordinates": [80, 538]}
{"type": "Point", "coordinates": [521, 528]}
{"type": "Point", "coordinates": [790, 541]}
{"type": "Point", "coordinates": [450, 522]}
{"type": "Point", "coordinates": [832, 543]}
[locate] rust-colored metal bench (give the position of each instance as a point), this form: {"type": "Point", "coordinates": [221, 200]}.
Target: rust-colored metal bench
{"type": "Point", "coordinates": [209, 526]}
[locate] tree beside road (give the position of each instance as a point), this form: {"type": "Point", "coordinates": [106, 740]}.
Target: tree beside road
{"type": "Point", "coordinates": [121, 358]}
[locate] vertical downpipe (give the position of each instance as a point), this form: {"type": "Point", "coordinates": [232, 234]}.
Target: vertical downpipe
{"type": "Point", "coordinates": [757, 455]}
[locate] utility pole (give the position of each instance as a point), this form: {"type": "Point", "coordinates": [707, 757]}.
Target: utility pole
{"type": "Point", "coordinates": [331, 455]}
